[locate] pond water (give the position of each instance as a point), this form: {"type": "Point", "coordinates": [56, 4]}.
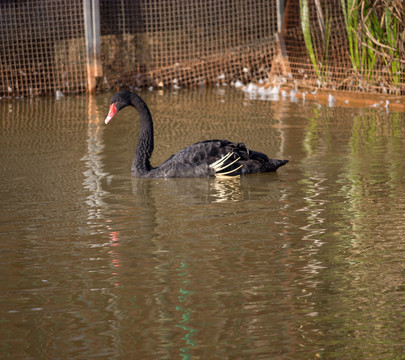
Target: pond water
{"type": "Point", "coordinates": [305, 263]}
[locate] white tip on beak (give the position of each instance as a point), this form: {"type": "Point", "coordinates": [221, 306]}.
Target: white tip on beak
{"type": "Point", "coordinates": [111, 113]}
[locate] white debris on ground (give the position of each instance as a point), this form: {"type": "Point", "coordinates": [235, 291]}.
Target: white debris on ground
{"type": "Point", "coordinates": [58, 94]}
{"type": "Point", "coordinates": [262, 91]}
{"type": "Point", "coordinates": [281, 89]}
{"type": "Point", "coordinates": [331, 100]}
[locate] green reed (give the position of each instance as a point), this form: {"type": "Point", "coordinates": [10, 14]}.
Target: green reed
{"type": "Point", "coordinates": [304, 12]}
{"type": "Point", "coordinates": [320, 65]}
{"type": "Point", "coordinates": [374, 37]}
{"type": "Point", "coordinates": [392, 32]}
{"type": "Point", "coordinates": [351, 22]}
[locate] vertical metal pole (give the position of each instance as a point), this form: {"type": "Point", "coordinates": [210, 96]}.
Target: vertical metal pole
{"type": "Point", "coordinates": [88, 29]}
{"type": "Point", "coordinates": [91, 13]}
{"type": "Point", "coordinates": [281, 59]}
{"type": "Point", "coordinates": [280, 14]}
{"type": "Point", "coordinates": [98, 70]}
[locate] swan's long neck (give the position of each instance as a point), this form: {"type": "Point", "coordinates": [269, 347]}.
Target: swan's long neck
{"type": "Point", "coordinates": [144, 149]}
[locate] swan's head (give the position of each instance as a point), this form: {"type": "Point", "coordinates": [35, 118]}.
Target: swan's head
{"type": "Point", "coordinates": [118, 102]}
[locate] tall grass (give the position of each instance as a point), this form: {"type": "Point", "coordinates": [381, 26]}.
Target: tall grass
{"type": "Point", "coordinates": [351, 21]}
{"type": "Point", "coordinates": [306, 29]}
{"type": "Point", "coordinates": [392, 31]}
{"type": "Point", "coordinates": [320, 64]}
{"type": "Point", "coordinates": [375, 32]}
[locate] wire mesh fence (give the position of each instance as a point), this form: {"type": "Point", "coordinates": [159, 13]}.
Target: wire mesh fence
{"type": "Point", "coordinates": [185, 42]}
{"type": "Point", "coordinates": [355, 45]}
{"type": "Point", "coordinates": [201, 42]}
{"type": "Point", "coordinates": [41, 47]}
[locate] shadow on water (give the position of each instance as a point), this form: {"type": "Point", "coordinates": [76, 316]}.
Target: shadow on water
{"type": "Point", "coordinates": [304, 263]}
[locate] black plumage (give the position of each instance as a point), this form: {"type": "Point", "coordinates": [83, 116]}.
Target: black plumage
{"type": "Point", "coordinates": [203, 159]}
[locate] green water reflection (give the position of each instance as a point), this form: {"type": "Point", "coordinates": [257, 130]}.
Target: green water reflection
{"type": "Point", "coordinates": [186, 315]}
{"type": "Point", "coordinates": [355, 205]}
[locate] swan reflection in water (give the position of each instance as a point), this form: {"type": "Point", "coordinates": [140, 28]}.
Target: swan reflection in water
{"type": "Point", "coordinates": [206, 190]}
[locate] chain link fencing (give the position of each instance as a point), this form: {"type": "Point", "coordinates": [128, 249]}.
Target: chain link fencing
{"type": "Point", "coordinates": [177, 43]}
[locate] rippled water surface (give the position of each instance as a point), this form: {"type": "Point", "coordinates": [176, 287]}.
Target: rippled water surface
{"type": "Point", "coordinates": [305, 263]}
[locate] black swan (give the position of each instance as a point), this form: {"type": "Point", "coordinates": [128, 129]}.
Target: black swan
{"type": "Point", "coordinates": [202, 159]}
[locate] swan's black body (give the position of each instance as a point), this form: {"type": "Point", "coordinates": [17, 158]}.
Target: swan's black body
{"type": "Point", "coordinates": [202, 159]}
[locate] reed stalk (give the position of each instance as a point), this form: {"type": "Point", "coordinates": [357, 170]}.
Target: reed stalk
{"type": "Point", "coordinates": [304, 12]}
{"type": "Point", "coordinates": [350, 15]}
{"type": "Point", "coordinates": [328, 27]}
{"type": "Point", "coordinates": [320, 64]}
{"type": "Point", "coordinates": [374, 38]}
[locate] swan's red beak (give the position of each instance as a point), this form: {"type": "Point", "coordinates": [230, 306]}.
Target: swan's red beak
{"type": "Point", "coordinates": [111, 113]}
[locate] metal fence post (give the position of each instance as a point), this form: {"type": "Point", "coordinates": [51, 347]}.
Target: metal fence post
{"type": "Point", "coordinates": [97, 38]}
{"type": "Point", "coordinates": [280, 14]}
{"type": "Point", "coordinates": [91, 13]}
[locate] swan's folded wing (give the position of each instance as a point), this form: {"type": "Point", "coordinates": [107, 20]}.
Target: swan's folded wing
{"type": "Point", "coordinates": [195, 160]}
